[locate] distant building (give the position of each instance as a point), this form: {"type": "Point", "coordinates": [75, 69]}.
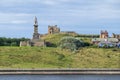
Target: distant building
{"type": "Point", "coordinates": [53, 29]}
{"type": "Point", "coordinates": [104, 34]}
{"type": "Point", "coordinates": [107, 44]}
{"type": "Point", "coordinates": [105, 40]}
{"type": "Point", "coordinates": [98, 40]}
{"type": "Point", "coordinates": [35, 41]}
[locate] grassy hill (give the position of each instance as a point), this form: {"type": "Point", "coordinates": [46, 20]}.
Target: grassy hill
{"type": "Point", "coordinates": [46, 57]}
{"type": "Point", "coordinates": [55, 38]}
{"type": "Point", "coordinates": [54, 57]}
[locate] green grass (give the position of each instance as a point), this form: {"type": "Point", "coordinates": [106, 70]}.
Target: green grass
{"type": "Point", "coordinates": [50, 57]}
{"type": "Point", "coordinates": [55, 38]}
{"type": "Point", "coordinates": [53, 57]}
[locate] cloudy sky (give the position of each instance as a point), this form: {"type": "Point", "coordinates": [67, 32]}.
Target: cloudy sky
{"type": "Point", "coordinates": [81, 16]}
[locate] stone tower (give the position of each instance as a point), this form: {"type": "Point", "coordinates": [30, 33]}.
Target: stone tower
{"type": "Point", "coordinates": [104, 34]}
{"type": "Point", "coordinates": [36, 35]}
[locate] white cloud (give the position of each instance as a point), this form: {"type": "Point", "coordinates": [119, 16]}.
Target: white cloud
{"type": "Point", "coordinates": [10, 14]}
{"type": "Point", "coordinates": [18, 22]}
{"type": "Point", "coordinates": [49, 2]}
{"type": "Point", "coordinates": [14, 18]}
{"type": "Point", "coordinates": [7, 3]}
{"type": "Point", "coordinates": [61, 12]}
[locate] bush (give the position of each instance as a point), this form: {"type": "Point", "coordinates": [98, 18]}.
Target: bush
{"type": "Point", "coordinates": [70, 43]}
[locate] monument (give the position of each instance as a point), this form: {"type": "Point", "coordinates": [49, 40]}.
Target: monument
{"type": "Point", "coordinates": [35, 41]}
{"type": "Point", "coordinates": [36, 35]}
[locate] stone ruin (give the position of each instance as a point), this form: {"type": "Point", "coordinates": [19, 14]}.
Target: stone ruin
{"type": "Point", "coordinates": [53, 29]}
{"type": "Point", "coordinates": [116, 36]}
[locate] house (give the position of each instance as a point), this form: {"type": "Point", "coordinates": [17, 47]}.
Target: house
{"type": "Point", "coordinates": [105, 41]}
{"type": "Point", "coordinates": [107, 44]}
{"type": "Point", "coordinates": [98, 40]}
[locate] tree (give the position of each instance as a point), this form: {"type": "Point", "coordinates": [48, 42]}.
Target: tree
{"type": "Point", "coordinates": [11, 41]}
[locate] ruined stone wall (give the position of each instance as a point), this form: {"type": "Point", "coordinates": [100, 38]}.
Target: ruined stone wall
{"type": "Point", "coordinates": [53, 29]}
{"type": "Point", "coordinates": [116, 36]}
{"type": "Point", "coordinates": [25, 43]}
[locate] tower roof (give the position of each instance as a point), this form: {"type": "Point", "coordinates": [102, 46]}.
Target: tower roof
{"type": "Point", "coordinates": [104, 32]}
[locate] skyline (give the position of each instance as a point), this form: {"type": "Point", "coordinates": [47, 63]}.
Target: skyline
{"type": "Point", "coordinates": [83, 16]}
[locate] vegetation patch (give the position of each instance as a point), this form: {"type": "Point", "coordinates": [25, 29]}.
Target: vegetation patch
{"type": "Point", "coordinates": [70, 43]}
{"type": "Point", "coordinates": [50, 57]}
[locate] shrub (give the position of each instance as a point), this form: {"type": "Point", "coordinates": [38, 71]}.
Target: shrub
{"type": "Point", "coordinates": [70, 43]}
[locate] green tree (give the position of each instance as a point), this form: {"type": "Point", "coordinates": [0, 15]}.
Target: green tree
{"type": "Point", "coordinates": [11, 41]}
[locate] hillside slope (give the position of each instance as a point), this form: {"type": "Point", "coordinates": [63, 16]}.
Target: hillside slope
{"type": "Point", "coordinates": [46, 57]}
{"type": "Point", "coordinates": [55, 38]}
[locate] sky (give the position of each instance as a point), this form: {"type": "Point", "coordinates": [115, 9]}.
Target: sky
{"type": "Point", "coordinates": [81, 16]}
